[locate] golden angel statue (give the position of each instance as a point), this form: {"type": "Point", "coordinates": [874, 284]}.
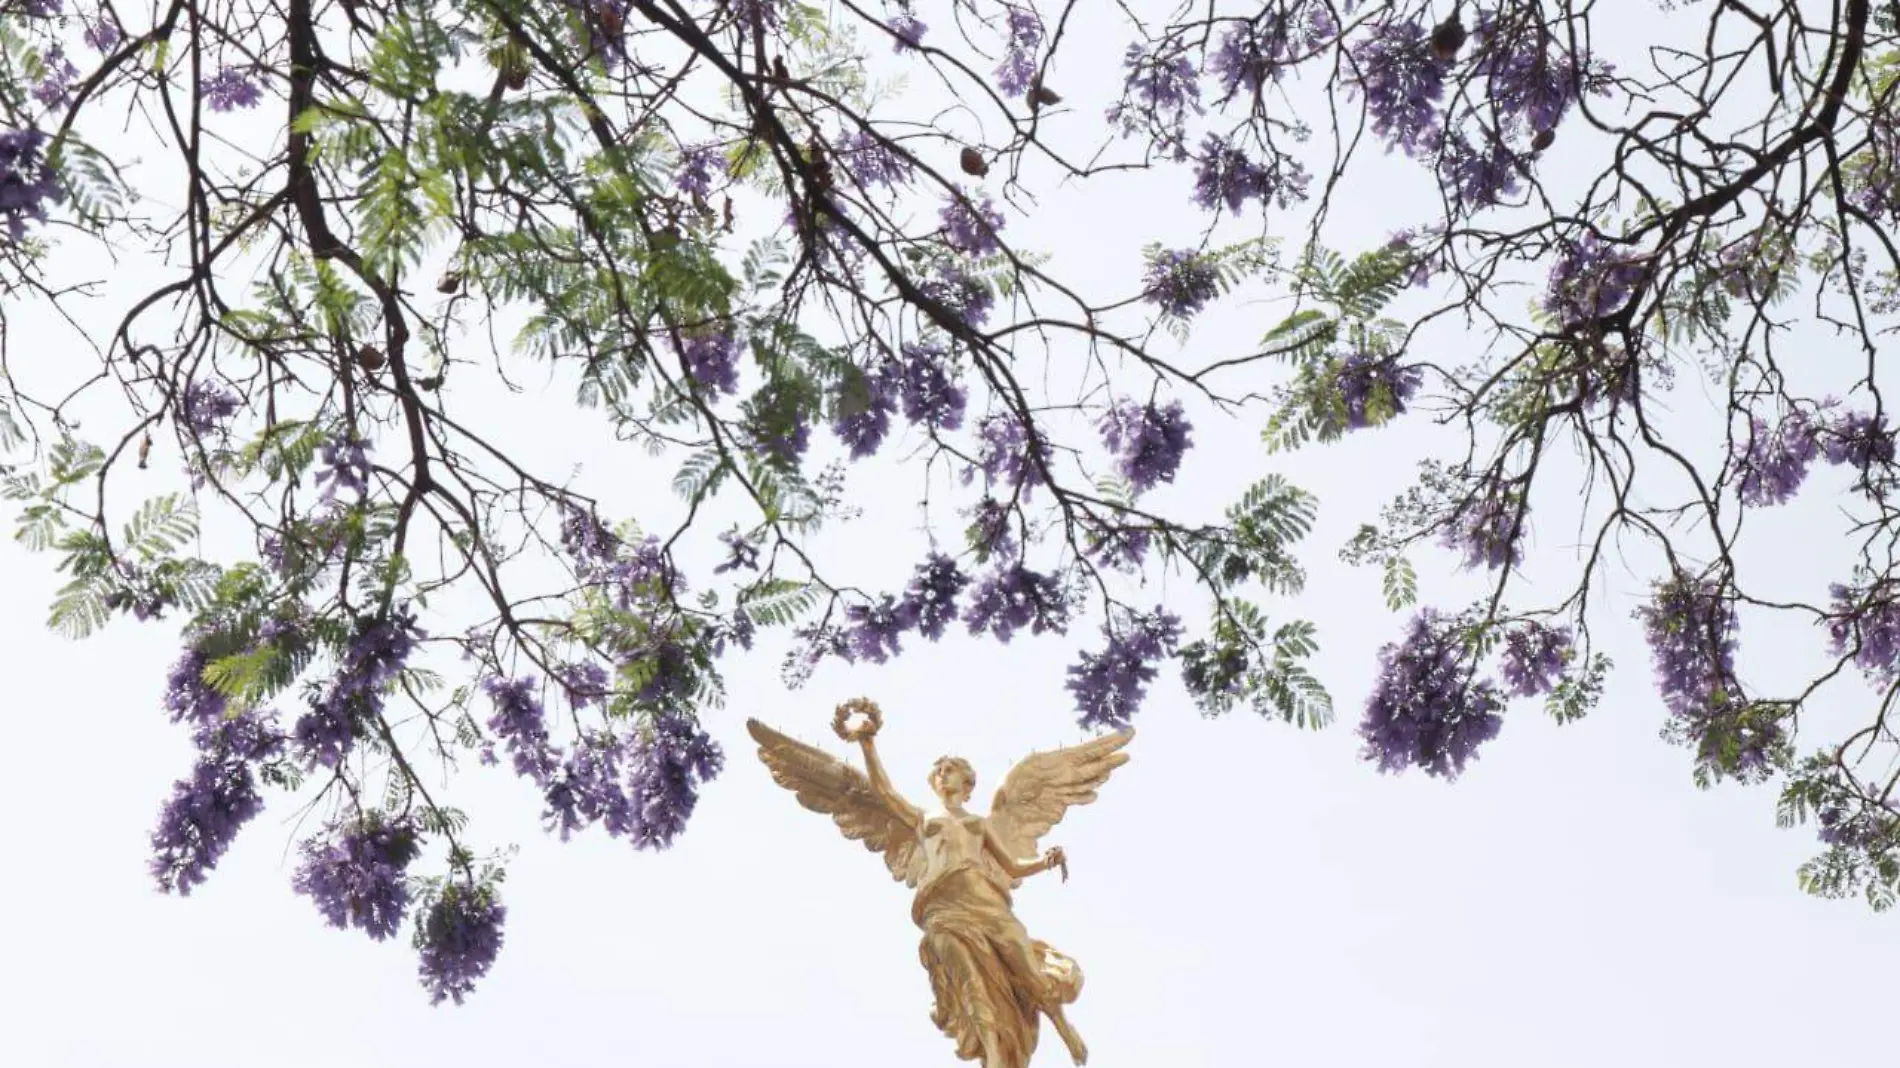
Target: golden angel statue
{"type": "Point", "coordinates": [991, 980]}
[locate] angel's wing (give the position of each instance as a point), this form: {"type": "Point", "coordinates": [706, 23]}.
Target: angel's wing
{"type": "Point", "coordinates": [823, 783]}
{"type": "Point", "coordinates": [1042, 786]}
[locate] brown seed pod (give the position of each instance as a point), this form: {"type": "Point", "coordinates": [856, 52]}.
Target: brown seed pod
{"type": "Point", "coordinates": [1448, 38]}
{"type": "Point", "coordinates": [1542, 140]}
{"type": "Point", "coordinates": [145, 451]}
{"type": "Point", "coordinates": [1041, 96]}
{"type": "Point", "coordinates": [449, 284]}
{"type": "Point", "coordinates": [515, 74]}
{"type": "Point", "coordinates": [973, 162]}
{"type": "Point", "coordinates": [370, 358]}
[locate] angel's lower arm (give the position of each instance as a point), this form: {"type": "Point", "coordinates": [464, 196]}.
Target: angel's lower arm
{"type": "Point", "coordinates": [874, 768]}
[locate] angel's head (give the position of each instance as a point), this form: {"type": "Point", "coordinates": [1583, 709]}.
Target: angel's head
{"type": "Point", "coordinates": [953, 779]}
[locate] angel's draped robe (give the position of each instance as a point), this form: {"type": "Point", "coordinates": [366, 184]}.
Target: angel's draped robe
{"type": "Point", "coordinates": [989, 977]}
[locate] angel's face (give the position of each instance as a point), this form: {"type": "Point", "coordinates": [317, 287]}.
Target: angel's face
{"type": "Point", "coordinates": [953, 780]}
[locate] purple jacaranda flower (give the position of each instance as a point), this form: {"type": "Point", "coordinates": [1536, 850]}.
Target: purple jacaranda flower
{"type": "Point", "coordinates": [1429, 709]}
{"type": "Point", "coordinates": [873, 162]}
{"type": "Point", "coordinates": [1773, 461]}
{"type": "Point", "coordinates": [27, 182]}
{"type": "Point", "coordinates": [1147, 440]}
{"type": "Point", "coordinates": [1018, 69]}
{"type": "Point", "coordinates": [699, 166]}
{"type": "Point", "coordinates": [971, 226]}
{"type": "Point", "coordinates": [1110, 685]}
{"type": "Point", "coordinates": [1223, 174]}
{"type": "Point", "coordinates": [1534, 657]}
{"type": "Point", "coordinates": [873, 630]}
{"type": "Point", "coordinates": [1858, 440]}
{"type": "Point", "coordinates": [1374, 388]}
{"type": "Point", "coordinates": [930, 395]}
{"type": "Point", "coordinates": [458, 936]}
{"type": "Point", "coordinates": [1866, 623]}
{"type": "Point", "coordinates": [229, 89]}
{"type": "Point", "coordinates": [207, 407]}
{"type": "Point", "coordinates": [931, 597]}
{"type": "Point", "coordinates": [667, 768]}
{"type": "Point", "coordinates": [865, 403]}
{"type": "Point", "coordinates": [1180, 282]}
{"type": "Point", "coordinates": [344, 465]}
{"type": "Point", "coordinates": [1013, 597]}
{"type": "Point", "coordinates": [711, 359]}
{"type": "Point", "coordinates": [355, 874]}
{"type": "Point", "coordinates": [520, 722]}
{"type": "Point", "coordinates": [57, 77]}
{"type": "Point", "coordinates": [1488, 529]}
{"type": "Point", "coordinates": [1402, 82]}
{"type": "Point", "coordinates": [1589, 281]}
{"type": "Point", "coordinates": [908, 30]}
{"type": "Point", "coordinates": [206, 810]}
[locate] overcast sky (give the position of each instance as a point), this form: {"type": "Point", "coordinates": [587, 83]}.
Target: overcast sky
{"type": "Point", "coordinates": [1242, 893]}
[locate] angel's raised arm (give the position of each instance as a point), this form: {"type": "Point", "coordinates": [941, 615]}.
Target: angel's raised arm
{"type": "Point", "coordinates": [903, 809]}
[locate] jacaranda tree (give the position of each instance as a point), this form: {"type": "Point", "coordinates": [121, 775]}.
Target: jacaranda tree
{"type": "Point", "coordinates": [757, 258]}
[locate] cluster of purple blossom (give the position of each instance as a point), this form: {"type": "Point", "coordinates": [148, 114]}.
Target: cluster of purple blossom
{"type": "Point", "coordinates": [1180, 282]}
{"type": "Point", "coordinates": [1691, 626]}
{"type": "Point", "coordinates": [711, 359]}
{"type": "Point", "coordinates": [57, 75]}
{"type": "Point", "coordinates": [921, 381]}
{"type": "Point", "coordinates": [1590, 280]}
{"type": "Point", "coordinates": [208, 808]}
{"type": "Point", "coordinates": [1109, 686]}
{"type": "Point", "coordinates": [344, 466]}
{"type": "Point", "coordinates": [1157, 87]}
{"type": "Point", "coordinates": [1429, 708]}
{"type": "Point", "coordinates": [961, 293]}
{"type": "Point", "coordinates": [1865, 623]}
{"type": "Point", "coordinates": [1225, 174]}
{"type": "Point", "coordinates": [1009, 453]}
{"type": "Point", "coordinates": [698, 168]}
{"type": "Point", "coordinates": [375, 655]}
{"type": "Point", "coordinates": [642, 786]}
{"type": "Point", "coordinates": [355, 873]}
{"type": "Point", "coordinates": [207, 406]}
{"type": "Point", "coordinates": [971, 225]}
{"type": "Point", "coordinates": [1255, 52]}
{"type": "Point", "coordinates": [27, 182]}
{"type": "Point", "coordinates": [1773, 462]}
{"type": "Point", "coordinates": [1018, 69]}
{"type": "Point", "coordinates": [1147, 440]}
{"type": "Point", "coordinates": [1373, 389]}
{"type": "Point", "coordinates": [872, 162]}
{"type": "Point", "coordinates": [229, 89]}
{"type": "Point", "coordinates": [1488, 528]}
{"type": "Point", "coordinates": [459, 937]}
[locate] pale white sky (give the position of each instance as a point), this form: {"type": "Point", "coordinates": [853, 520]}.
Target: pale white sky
{"type": "Point", "coordinates": [1243, 893]}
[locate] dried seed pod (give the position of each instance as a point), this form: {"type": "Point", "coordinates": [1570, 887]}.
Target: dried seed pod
{"type": "Point", "coordinates": [370, 358]}
{"type": "Point", "coordinates": [973, 162]}
{"type": "Point", "coordinates": [450, 283]}
{"type": "Point", "coordinates": [1448, 38]}
{"type": "Point", "coordinates": [778, 69]}
{"type": "Point", "coordinates": [1542, 140]}
{"type": "Point", "coordinates": [728, 221]}
{"type": "Point", "coordinates": [514, 73]}
{"type": "Point", "coordinates": [1041, 95]}
{"type": "Point", "coordinates": [145, 450]}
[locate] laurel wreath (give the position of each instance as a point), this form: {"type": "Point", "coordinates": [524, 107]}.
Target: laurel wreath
{"type": "Point", "coordinates": [873, 720]}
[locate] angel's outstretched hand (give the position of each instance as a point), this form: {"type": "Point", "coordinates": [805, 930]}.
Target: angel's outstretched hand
{"type": "Point", "coordinates": [1057, 859]}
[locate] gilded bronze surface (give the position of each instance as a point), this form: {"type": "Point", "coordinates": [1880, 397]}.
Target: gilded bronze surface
{"type": "Point", "coordinates": [991, 980]}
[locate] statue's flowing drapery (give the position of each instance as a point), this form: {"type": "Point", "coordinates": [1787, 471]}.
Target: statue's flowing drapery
{"type": "Point", "coordinates": [988, 975]}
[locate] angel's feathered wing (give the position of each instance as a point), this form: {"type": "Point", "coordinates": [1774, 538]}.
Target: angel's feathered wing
{"type": "Point", "coordinates": [823, 783]}
{"type": "Point", "coordinates": [1042, 786]}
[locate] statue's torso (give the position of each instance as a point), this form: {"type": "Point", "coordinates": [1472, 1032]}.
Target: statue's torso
{"type": "Point", "coordinates": [949, 843]}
